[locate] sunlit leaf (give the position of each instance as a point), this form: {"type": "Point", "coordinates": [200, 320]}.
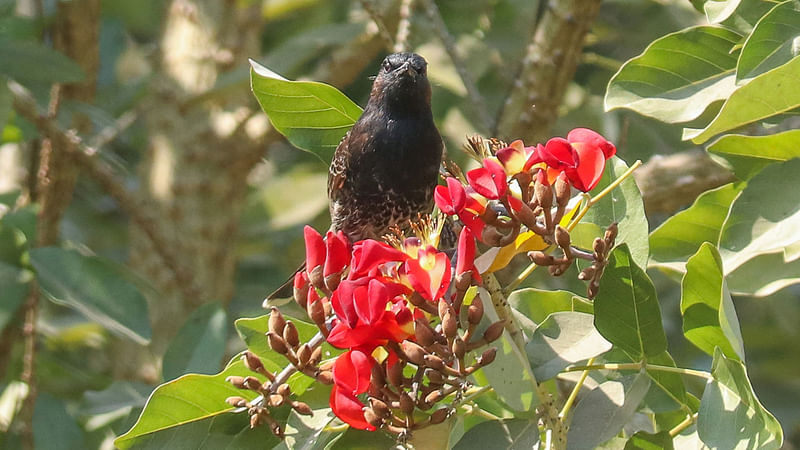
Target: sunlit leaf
{"type": "Point", "coordinates": [771, 42]}
{"type": "Point", "coordinates": [199, 345]}
{"type": "Point", "coordinates": [626, 309]}
{"type": "Point", "coordinates": [766, 95]}
{"type": "Point", "coordinates": [94, 286]}
{"type": "Point", "coordinates": [308, 432]}
{"type": "Point", "coordinates": [564, 338]}
{"type": "Point", "coordinates": [709, 317]}
{"type": "Point", "coordinates": [603, 412]}
{"type": "Point", "coordinates": [719, 10]}
{"type": "Point", "coordinates": [643, 440]}
{"type": "Point", "coordinates": [537, 304]}
{"type": "Point", "coordinates": [730, 414]}
{"type": "Point", "coordinates": [507, 434]}
{"type": "Point", "coordinates": [751, 278]}
{"type": "Point", "coordinates": [313, 116]}
{"type": "Point", "coordinates": [678, 75]}
{"type": "Point", "coordinates": [749, 154]}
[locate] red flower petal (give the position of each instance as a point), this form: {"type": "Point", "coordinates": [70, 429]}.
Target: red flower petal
{"type": "Point", "coordinates": [534, 156]}
{"type": "Point", "coordinates": [368, 254]}
{"type": "Point", "coordinates": [451, 198]}
{"type": "Point", "coordinates": [352, 371]}
{"type": "Point", "coordinates": [466, 254]}
{"type": "Point", "coordinates": [315, 248]}
{"type": "Point", "coordinates": [588, 173]}
{"type": "Point", "coordinates": [489, 180]}
{"type": "Point", "coordinates": [559, 154]}
{"type": "Point", "coordinates": [592, 139]}
{"type": "Point", "coordinates": [370, 301]}
{"type": "Point", "coordinates": [337, 249]}
{"type": "Point", "coordinates": [513, 158]}
{"type": "Point", "coordinates": [349, 409]}
{"type": "Point", "coordinates": [473, 222]}
{"type": "Point", "coordinates": [300, 279]}
{"type": "Point", "coordinates": [430, 273]}
{"type": "Point", "coordinates": [343, 303]}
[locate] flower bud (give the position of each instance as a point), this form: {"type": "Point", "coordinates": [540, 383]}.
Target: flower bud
{"type": "Point", "coordinates": [325, 377]}
{"type": "Point", "coordinates": [413, 352]}
{"type": "Point", "coordinates": [562, 237]}
{"type": "Point", "coordinates": [378, 375]}
{"type": "Point", "coordinates": [449, 325]}
{"type": "Point", "coordinates": [236, 381]}
{"type": "Point", "coordinates": [252, 383]}
{"type": "Point", "coordinates": [433, 397]}
{"type": "Point", "coordinates": [316, 356]}
{"type": "Point", "coordinates": [380, 408]}
{"type": "Point", "coordinates": [276, 321]}
{"type": "Point", "coordinates": [434, 362]}
{"type": "Point", "coordinates": [252, 362]}
{"type": "Point", "coordinates": [459, 347]}
{"type": "Point", "coordinates": [610, 235]}
{"type": "Point", "coordinates": [406, 403]}
{"type": "Point", "coordinates": [587, 273]}
{"type": "Point", "coordinates": [277, 343]}
{"type": "Point", "coordinates": [300, 289]}
{"type": "Point", "coordinates": [541, 258]}
{"type": "Point", "coordinates": [236, 401]}
{"type": "Point", "coordinates": [316, 277]}
{"type": "Point", "coordinates": [475, 311]}
{"type": "Point", "coordinates": [434, 377]}
{"type": "Point", "coordinates": [599, 247]}
{"type": "Point", "coordinates": [302, 408]}
{"type": "Point", "coordinates": [284, 390]}
{"type": "Point", "coordinates": [439, 416]}
{"type": "Point", "coordinates": [443, 308]}
{"type": "Point", "coordinates": [304, 354]}
{"type": "Point", "coordinates": [487, 356]}
{"type": "Point", "coordinates": [276, 400]}
{"type": "Point", "coordinates": [562, 189]}
{"type": "Point", "coordinates": [372, 418]}
{"type": "Point", "coordinates": [543, 194]}
{"type": "Point", "coordinates": [290, 334]}
{"type": "Point", "coordinates": [316, 312]}
{"type": "Point", "coordinates": [395, 374]}
{"type": "Point", "coordinates": [423, 332]}
{"type": "Point", "coordinates": [494, 331]}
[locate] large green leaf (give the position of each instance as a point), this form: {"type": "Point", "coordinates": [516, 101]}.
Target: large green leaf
{"type": "Point", "coordinates": [537, 304]}
{"type": "Point", "coordinates": [668, 391]}
{"type": "Point", "coordinates": [98, 288]}
{"type": "Point", "coordinates": [187, 399]}
{"type": "Point", "coordinates": [313, 116]}
{"type": "Point", "coordinates": [770, 44]}
{"type": "Point", "coordinates": [764, 218]}
{"type": "Point", "coordinates": [308, 432]}
{"type": "Point", "coordinates": [648, 441]}
{"type": "Point", "coordinates": [622, 205]}
{"type": "Point", "coordinates": [603, 412]}
{"type": "Point", "coordinates": [199, 345]}
{"type": "Point", "coordinates": [766, 95]}
{"type": "Point", "coordinates": [54, 428]}
{"type": "Point", "coordinates": [719, 10]}
{"type": "Point", "coordinates": [679, 237]}
{"type": "Point", "coordinates": [747, 155]}
{"type": "Point", "coordinates": [678, 75]}
{"type": "Point", "coordinates": [26, 61]}
{"type": "Point", "coordinates": [626, 309]}
{"type": "Point", "coordinates": [564, 338]}
{"type": "Point", "coordinates": [764, 275]}
{"type": "Point", "coordinates": [730, 415]}
{"type": "Point", "coordinates": [507, 434]}
{"type": "Point", "coordinates": [709, 317]}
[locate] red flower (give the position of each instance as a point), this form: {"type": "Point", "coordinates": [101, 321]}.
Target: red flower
{"type": "Point", "coordinates": [517, 158]}
{"type": "Point", "coordinates": [559, 154]}
{"type": "Point", "coordinates": [451, 198]}
{"type": "Point", "coordinates": [349, 408]}
{"type": "Point", "coordinates": [352, 371]}
{"type": "Point", "coordinates": [315, 248]}
{"type": "Point", "coordinates": [588, 173]}
{"type": "Point", "coordinates": [337, 252]}
{"type": "Point", "coordinates": [466, 254]}
{"type": "Point", "coordinates": [429, 274]}
{"type": "Point", "coordinates": [585, 137]}
{"type": "Point", "coordinates": [368, 255]}
{"type": "Point", "coordinates": [489, 180]}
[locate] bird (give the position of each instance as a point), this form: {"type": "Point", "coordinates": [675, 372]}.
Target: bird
{"type": "Point", "coordinates": [385, 169]}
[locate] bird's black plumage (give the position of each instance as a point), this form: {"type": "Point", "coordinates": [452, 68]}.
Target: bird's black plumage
{"type": "Point", "coordinates": [385, 169]}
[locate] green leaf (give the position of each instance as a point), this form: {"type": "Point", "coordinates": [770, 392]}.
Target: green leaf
{"type": "Point", "coordinates": [354, 439]}
{"type": "Point", "coordinates": [5, 103]}
{"type": "Point", "coordinates": [730, 415]}
{"type": "Point", "coordinates": [15, 283]}
{"type": "Point", "coordinates": [33, 62]}
{"type": "Point", "coordinates": [643, 440]}
{"type": "Point", "coordinates": [766, 95]}
{"type": "Point", "coordinates": [603, 412]}
{"type": "Point", "coordinates": [719, 10]}
{"type": "Point", "coordinates": [747, 155]}
{"type": "Point", "coordinates": [308, 432]}
{"type": "Point", "coordinates": [626, 310]}
{"type": "Point", "coordinates": [709, 318]}
{"type": "Point", "coordinates": [770, 43]}
{"type": "Point", "coordinates": [313, 116]}
{"type": "Point", "coordinates": [96, 287]}
{"type": "Point", "coordinates": [679, 237]}
{"type": "Point", "coordinates": [187, 399]}
{"type": "Point", "coordinates": [668, 391]}
{"type": "Point", "coordinates": [506, 434]}
{"type": "Point", "coordinates": [537, 304]}
{"type": "Point", "coordinates": [510, 373]}
{"type": "Point", "coordinates": [53, 427]}
{"type": "Point", "coordinates": [764, 218]}
{"type": "Point", "coordinates": [764, 275]}
{"type": "Point", "coordinates": [564, 338]}
{"type": "Point", "coordinates": [622, 205]}
{"type": "Point", "coordinates": [199, 345]}
{"type": "Point", "coordinates": [678, 76]}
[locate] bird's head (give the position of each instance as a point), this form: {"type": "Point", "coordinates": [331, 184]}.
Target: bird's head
{"type": "Point", "coordinates": [402, 81]}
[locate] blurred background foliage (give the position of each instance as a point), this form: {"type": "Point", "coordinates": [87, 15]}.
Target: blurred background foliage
{"type": "Point", "coordinates": [85, 396]}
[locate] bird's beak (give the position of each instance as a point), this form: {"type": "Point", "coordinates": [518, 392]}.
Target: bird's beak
{"type": "Point", "coordinates": [409, 70]}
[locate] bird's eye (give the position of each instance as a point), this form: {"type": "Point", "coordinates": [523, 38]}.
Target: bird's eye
{"type": "Point", "coordinates": [387, 66]}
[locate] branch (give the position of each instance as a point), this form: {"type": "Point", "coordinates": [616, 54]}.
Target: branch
{"type": "Point", "coordinates": [383, 30]}
{"type": "Point", "coordinates": [139, 212]}
{"type": "Point", "coordinates": [547, 68]}
{"type": "Point", "coordinates": [478, 104]}
{"type": "Point", "coordinates": [403, 27]}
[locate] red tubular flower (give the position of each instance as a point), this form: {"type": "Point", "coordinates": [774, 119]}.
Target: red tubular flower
{"type": "Point", "coordinates": [489, 180]}
{"type": "Point", "coordinates": [352, 371]}
{"type": "Point", "coordinates": [588, 173]}
{"type": "Point", "coordinates": [349, 408]}
{"type": "Point", "coordinates": [584, 136]}
{"type": "Point", "coordinates": [451, 198]}
{"type": "Point", "coordinates": [559, 154]}
{"type": "Point", "coordinates": [514, 158]}
{"type": "Point", "coordinates": [466, 254]}
{"type": "Point", "coordinates": [370, 301]}
{"type": "Point", "coordinates": [337, 253]}
{"type": "Point", "coordinates": [315, 248]}
{"type": "Point", "coordinates": [368, 255]}
{"type": "Point", "coordinates": [429, 274]}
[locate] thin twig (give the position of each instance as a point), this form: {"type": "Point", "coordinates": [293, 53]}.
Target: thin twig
{"type": "Point", "coordinates": [403, 27]}
{"type": "Point", "coordinates": [140, 214]}
{"type": "Point", "coordinates": [370, 7]}
{"type": "Point", "coordinates": [111, 132]}
{"type": "Point", "coordinates": [475, 98]}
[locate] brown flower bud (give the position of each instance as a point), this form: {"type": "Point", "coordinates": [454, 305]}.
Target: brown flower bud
{"type": "Point", "coordinates": [304, 354]}
{"type": "Point", "coordinates": [557, 270]}
{"type": "Point", "coordinates": [276, 400]}
{"type": "Point", "coordinates": [237, 382]}
{"type": "Point", "coordinates": [332, 281]}
{"type": "Point", "coordinates": [543, 194]}
{"type": "Point", "coordinates": [443, 308]}
{"type": "Point", "coordinates": [424, 333]}
{"type": "Point", "coordinates": [439, 416]}
{"type": "Point", "coordinates": [378, 375]}
{"type": "Point", "coordinates": [562, 237]}
{"type": "Point", "coordinates": [316, 277]}
{"type": "Point", "coordinates": [463, 280]}
{"type": "Point", "coordinates": [372, 418]}
{"type": "Point", "coordinates": [380, 408]}
{"type": "Point", "coordinates": [492, 236]}
{"type": "Point", "coordinates": [255, 420]}
{"type": "Point", "coordinates": [284, 390]}
{"type": "Point", "coordinates": [449, 325]}
{"type": "Point", "coordinates": [302, 408]}
{"type": "Point", "coordinates": [406, 403]}
{"type": "Point", "coordinates": [301, 295]}
{"type": "Point", "coordinates": [599, 247]}
{"type": "Point", "coordinates": [414, 352]}
{"type": "Point", "coordinates": [526, 215]}
{"type": "Point", "coordinates": [459, 347]}
{"type": "Point", "coordinates": [434, 362]}
{"type": "Point", "coordinates": [487, 356]}
{"type": "Point", "coordinates": [434, 377]}
{"type": "Point", "coordinates": [610, 235]}
{"type": "Point", "coordinates": [587, 273]}
{"type": "Point", "coordinates": [316, 312]}
{"type": "Point", "coordinates": [252, 383]}
{"type": "Point", "coordinates": [593, 289]}
{"type": "Point", "coordinates": [475, 311]}
{"type": "Point", "coordinates": [433, 397]}
{"type": "Point", "coordinates": [290, 334]}
{"type": "Point", "coordinates": [276, 321]}
{"type": "Point", "coordinates": [494, 331]}
{"type": "Point", "coordinates": [252, 362]}
{"type": "Point", "coordinates": [541, 258]}
{"type": "Point", "coordinates": [277, 343]}
{"type": "Point", "coordinates": [236, 401]}
{"type": "Point", "coordinates": [325, 377]}
{"type": "Point", "coordinates": [316, 356]}
{"type": "Point", "coordinates": [562, 189]}
{"type": "Point", "coordinates": [395, 374]}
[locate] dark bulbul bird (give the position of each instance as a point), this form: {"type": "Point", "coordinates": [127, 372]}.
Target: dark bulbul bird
{"type": "Point", "coordinates": [384, 171]}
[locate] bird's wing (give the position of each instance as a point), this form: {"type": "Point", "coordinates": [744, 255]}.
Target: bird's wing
{"type": "Point", "coordinates": [337, 172]}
